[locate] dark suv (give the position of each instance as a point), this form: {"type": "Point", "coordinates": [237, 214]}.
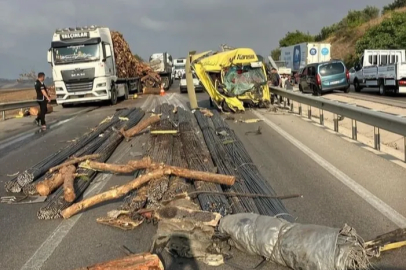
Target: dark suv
{"type": "Point", "coordinates": [319, 78]}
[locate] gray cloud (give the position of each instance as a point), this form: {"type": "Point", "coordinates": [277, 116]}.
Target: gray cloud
{"type": "Point", "coordinates": [176, 26]}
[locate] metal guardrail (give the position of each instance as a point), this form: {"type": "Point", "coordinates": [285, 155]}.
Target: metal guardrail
{"type": "Point", "coordinates": [379, 120]}
{"type": "Point", "coordinates": [15, 106]}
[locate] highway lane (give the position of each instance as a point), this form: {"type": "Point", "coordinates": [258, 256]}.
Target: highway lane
{"type": "Point", "coordinates": [327, 201]}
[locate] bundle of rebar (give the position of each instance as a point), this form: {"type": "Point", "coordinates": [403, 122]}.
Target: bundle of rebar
{"type": "Point", "coordinates": [57, 203]}
{"type": "Point", "coordinates": [198, 158]}
{"type": "Point", "coordinates": [32, 174]}
{"type": "Point", "coordinates": [224, 164]}
{"type": "Point", "coordinates": [243, 164]}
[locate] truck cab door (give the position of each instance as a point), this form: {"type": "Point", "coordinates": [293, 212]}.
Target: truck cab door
{"type": "Point", "coordinates": [108, 60]}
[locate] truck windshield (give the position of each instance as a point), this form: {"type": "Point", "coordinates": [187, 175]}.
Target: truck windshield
{"type": "Point", "coordinates": [239, 81]}
{"type": "Point", "coordinates": [79, 53]}
{"type": "Point", "coordinates": [179, 67]}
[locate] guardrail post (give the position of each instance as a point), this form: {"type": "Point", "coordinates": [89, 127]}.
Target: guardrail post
{"type": "Point", "coordinates": [404, 147]}
{"type": "Point", "coordinates": [377, 139]}
{"type": "Point", "coordinates": [291, 106]}
{"type": "Point", "coordinates": [354, 129]}
{"type": "Point", "coordinates": [309, 112]}
{"type": "Point", "coordinates": [335, 123]}
{"type": "Point", "coordinates": [3, 115]}
{"type": "Point", "coordinates": [321, 117]}
{"type": "Point", "coordinates": [300, 108]}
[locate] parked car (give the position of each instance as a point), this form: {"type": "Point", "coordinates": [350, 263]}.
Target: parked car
{"type": "Point", "coordinates": [319, 78]}
{"type": "Point", "coordinates": [196, 82]}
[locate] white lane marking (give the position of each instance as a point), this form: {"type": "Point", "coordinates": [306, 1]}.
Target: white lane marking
{"type": "Point", "coordinates": [370, 198]}
{"type": "Point", "coordinates": [48, 247]}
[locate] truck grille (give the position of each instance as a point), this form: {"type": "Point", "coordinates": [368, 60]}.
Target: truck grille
{"type": "Point", "coordinates": [80, 86]}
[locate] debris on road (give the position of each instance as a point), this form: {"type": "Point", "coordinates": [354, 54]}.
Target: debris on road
{"type": "Point", "coordinates": [143, 261]}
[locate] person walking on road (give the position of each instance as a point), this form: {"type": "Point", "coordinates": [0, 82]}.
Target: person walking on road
{"type": "Point", "coordinates": [42, 99]}
{"type": "Point", "coordinates": [275, 80]}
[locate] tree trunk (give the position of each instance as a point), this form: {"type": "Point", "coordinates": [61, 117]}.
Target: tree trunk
{"type": "Point", "coordinates": [130, 167]}
{"type": "Point", "coordinates": [46, 187]}
{"type": "Point", "coordinates": [143, 261]}
{"type": "Point", "coordinates": [112, 194]}
{"type": "Point", "coordinates": [141, 126]}
{"type": "Point", "coordinates": [68, 183]}
{"type": "Point", "coordinates": [73, 161]}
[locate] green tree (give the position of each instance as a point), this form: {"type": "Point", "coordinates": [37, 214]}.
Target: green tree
{"type": "Point", "coordinates": [276, 54]}
{"type": "Point", "coordinates": [292, 38]}
{"type": "Point", "coordinates": [139, 58]}
{"type": "Point", "coordinates": [390, 34]}
{"type": "Point", "coordinates": [395, 5]}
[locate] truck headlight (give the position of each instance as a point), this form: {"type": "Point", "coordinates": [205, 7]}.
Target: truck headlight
{"type": "Point", "coordinates": [101, 85]}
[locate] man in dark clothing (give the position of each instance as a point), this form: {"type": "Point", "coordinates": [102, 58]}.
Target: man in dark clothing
{"type": "Point", "coordinates": [275, 80]}
{"type": "Point", "coordinates": [42, 99]}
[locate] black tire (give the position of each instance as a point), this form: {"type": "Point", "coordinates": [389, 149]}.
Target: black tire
{"type": "Point", "coordinates": [316, 91]}
{"type": "Point", "coordinates": [126, 92]}
{"type": "Point", "coordinates": [347, 90]}
{"type": "Point", "coordinates": [300, 88]}
{"type": "Point", "coordinates": [167, 83]}
{"type": "Point", "coordinates": [113, 98]}
{"type": "Point", "coordinates": [382, 89]}
{"type": "Point", "coordinates": [182, 92]}
{"type": "Point", "coordinates": [357, 87]}
{"type": "Point", "coordinates": [64, 105]}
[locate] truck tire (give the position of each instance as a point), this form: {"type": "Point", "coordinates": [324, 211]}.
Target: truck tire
{"type": "Point", "coordinates": [382, 89]}
{"type": "Point", "coordinates": [64, 105]}
{"type": "Point", "coordinates": [113, 97]}
{"type": "Point", "coordinates": [139, 86]}
{"type": "Point", "coordinates": [166, 81]}
{"type": "Point", "coordinates": [126, 92]}
{"type": "Point", "coordinates": [357, 87]}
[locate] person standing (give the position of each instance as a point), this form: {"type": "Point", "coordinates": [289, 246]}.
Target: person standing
{"type": "Point", "coordinates": [42, 99]}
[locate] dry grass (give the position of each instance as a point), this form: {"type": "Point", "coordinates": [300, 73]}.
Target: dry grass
{"type": "Point", "coordinates": [343, 43]}
{"type": "Point", "coordinates": [21, 94]}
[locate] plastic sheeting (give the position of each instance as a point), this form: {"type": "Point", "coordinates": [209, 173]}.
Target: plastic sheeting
{"type": "Point", "coordinates": [298, 246]}
{"type": "Point", "coordinates": [238, 84]}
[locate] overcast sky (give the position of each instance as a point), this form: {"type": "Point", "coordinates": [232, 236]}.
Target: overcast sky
{"type": "Point", "coordinates": [175, 26]}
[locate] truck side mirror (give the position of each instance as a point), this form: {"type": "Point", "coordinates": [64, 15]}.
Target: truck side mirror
{"type": "Point", "coordinates": [49, 56]}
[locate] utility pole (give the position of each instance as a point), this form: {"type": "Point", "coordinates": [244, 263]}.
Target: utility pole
{"type": "Point", "coordinates": [189, 82]}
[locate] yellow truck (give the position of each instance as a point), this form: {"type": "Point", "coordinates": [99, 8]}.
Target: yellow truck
{"type": "Point", "coordinates": [233, 78]}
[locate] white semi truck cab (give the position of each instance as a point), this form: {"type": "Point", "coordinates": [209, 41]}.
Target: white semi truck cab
{"type": "Point", "coordinates": [84, 66]}
{"type": "Point", "coordinates": [162, 63]}
{"type": "Point", "coordinates": [180, 65]}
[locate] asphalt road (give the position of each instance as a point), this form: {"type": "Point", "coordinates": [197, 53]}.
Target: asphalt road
{"type": "Point", "coordinates": [340, 182]}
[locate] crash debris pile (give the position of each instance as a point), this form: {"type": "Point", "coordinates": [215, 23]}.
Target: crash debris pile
{"type": "Point", "coordinates": [128, 66]}
{"type": "Point", "coordinates": [196, 180]}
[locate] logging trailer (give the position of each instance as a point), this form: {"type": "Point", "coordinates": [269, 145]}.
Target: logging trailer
{"type": "Point", "coordinates": [162, 64]}
{"type": "Point", "coordinates": [84, 67]}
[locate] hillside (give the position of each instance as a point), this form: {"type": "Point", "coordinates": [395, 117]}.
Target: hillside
{"type": "Point", "coordinates": [6, 84]}
{"type": "Point", "coordinates": [343, 46]}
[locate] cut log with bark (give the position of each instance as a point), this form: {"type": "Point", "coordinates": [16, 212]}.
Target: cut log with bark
{"type": "Point", "coordinates": [130, 167]}
{"type": "Point", "coordinates": [73, 161]}
{"type": "Point", "coordinates": [68, 183]}
{"type": "Point", "coordinates": [141, 126]}
{"type": "Point", "coordinates": [112, 194]}
{"type": "Point", "coordinates": [47, 186]}
{"type": "Point", "coordinates": [143, 261]}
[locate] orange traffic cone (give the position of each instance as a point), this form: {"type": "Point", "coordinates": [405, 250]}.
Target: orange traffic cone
{"type": "Point", "coordinates": [162, 92]}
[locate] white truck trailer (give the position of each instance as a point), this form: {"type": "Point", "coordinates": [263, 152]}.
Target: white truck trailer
{"type": "Point", "coordinates": [162, 64]}
{"type": "Point", "coordinates": [180, 65]}
{"type": "Point", "coordinates": [383, 69]}
{"type": "Point", "coordinates": [84, 67]}
{"type": "Point", "coordinates": [298, 56]}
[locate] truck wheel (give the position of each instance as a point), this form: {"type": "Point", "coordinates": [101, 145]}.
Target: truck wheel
{"type": "Point", "coordinates": [113, 98]}
{"type": "Point", "coordinates": [64, 105]}
{"type": "Point", "coordinates": [382, 89]}
{"type": "Point", "coordinates": [166, 83]}
{"type": "Point", "coordinates": [126, 92]}
{"type": "Point", "coordinates": [357, 87]}
{"type": "Point", "coordinates": [316, 91]}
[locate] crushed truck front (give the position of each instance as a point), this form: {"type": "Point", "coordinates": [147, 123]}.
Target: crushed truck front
{"type": "Point", "coordinates": [233, 78]}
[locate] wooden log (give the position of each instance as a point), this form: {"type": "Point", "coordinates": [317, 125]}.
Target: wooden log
{"type": "Point", "coordinates": [113, 193]}
{"type": "Point", "coordinates": [141, 126]}
{"type": "Point", "coordinates": [46, 187]}
{"type": "Point", "coordinates": [68, 183]}
{"type": "Point", "coordinates": [177, 213]}
{"type": "Point", "coordinates": [151, 91]}
{"type": "Point", "coordinates": [142, 261]}
{"type": "Point", "coordinates": [74, 160]}
{"type": "Point", "coordinates": [131, 166]}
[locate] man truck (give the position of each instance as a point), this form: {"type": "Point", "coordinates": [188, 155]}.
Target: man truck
{"type": "Point", "coordinates": [179, 65]}
{"type": "Point", "coordinates": [84, 67]}
{"type": "Point", "coordinates": [162, 64]}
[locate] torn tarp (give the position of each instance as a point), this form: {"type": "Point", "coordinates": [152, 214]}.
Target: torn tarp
{"type": "Point", "coordinates": [298, 246]}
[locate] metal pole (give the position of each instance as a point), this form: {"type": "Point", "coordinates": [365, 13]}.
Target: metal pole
{"type": "Point", "coordinates": [291, 106]}
{"type": "Point", "coordinates": [321, 117]}
{"type": "Point", "coordinates": [189, 82]}
{"type": "Point", "coordinates": [309, 112]}
{"type": "Point", "coordinates": [354, 129]}
{"type": "Point", "coordinates": [377, 139]}
{"type": "Point", "coordinates": [404, 147]}
{"type": "Point", "coordinates": [335, 123]}
{"type": "Point", "coordinates": [4, 115]}
{"type": "Point", "coordinates": [300, 108]}
{"type": "Point", "coordinates": [284, 103]}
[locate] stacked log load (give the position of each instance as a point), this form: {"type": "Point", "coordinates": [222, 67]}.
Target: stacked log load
{"type": "Point", "coordinates": [128, 66]}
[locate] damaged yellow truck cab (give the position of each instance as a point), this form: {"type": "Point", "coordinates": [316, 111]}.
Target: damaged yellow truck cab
{"type": "Point", "coordinates": [233, 78]}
